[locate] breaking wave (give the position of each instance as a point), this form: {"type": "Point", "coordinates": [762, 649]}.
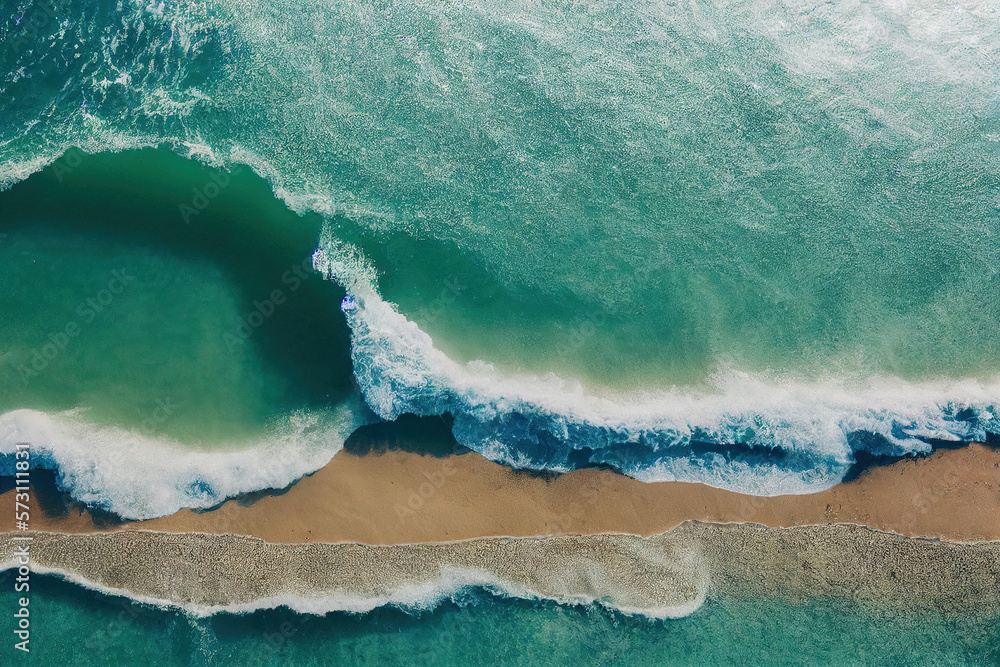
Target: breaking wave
{"type": "Point", "coordinates": [140, 476]}
{"type": "Point", "coordinates": [745, 434]}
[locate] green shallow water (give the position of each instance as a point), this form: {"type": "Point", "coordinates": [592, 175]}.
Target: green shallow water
{"type": "Point", "coordinates": [115, 304]}
{"type": "Point", "coordinates": [72, 626]}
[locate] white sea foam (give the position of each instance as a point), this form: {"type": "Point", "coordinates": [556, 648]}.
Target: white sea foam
{"type": "Point", "coordinates": [139, 476]}
{"type": "Point", "coordinates": [450, 584]}
{"type": "Point", "coordinates": [851, 61]}
{"type": "Point", "coordinates": [527, 422]}
{"type": "Point", "coordinates": [743, 433]}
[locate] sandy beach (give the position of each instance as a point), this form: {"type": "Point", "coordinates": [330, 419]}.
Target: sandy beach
{"type": "Point", "coordinates": [397, 497]}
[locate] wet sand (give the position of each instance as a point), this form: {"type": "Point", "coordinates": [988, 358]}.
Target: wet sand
{"type": "Point", "coordinates": [397, 497]}
{"type": "Point", "coordinates": [661, 576]}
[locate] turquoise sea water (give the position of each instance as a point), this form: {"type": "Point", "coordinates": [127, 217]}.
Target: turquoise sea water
{"type": "Point", "coordinates": [745, 243]}
{"type": "Point", "coordinates": [742, 244]}
{"type": "Point", "coordinates": [781, 188]}
{"type": "Point", "coordinates": [132, 339]}
{"type": "Point", "coordinates": [77, 627]}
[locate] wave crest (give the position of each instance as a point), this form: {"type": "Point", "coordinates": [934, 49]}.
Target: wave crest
{"type": "Point", "coordinates": [745, 434]}
{"type": "Point", "coordinates": [138, 476]}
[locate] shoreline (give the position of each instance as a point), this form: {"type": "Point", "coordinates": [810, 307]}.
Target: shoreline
{"type": "Point", "coordinates": [664, 576]}
{"type": "Point", "coordinates": [396, 497]}
{"type": "Point", "coordinates": [391, 528]}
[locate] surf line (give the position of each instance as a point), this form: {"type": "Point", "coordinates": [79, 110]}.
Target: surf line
{"type": "Point", "coordinates": [22, 555]}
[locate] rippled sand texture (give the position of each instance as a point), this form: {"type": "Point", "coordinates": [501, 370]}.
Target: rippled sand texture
{"type": "Point", "coordinates": [665, 575]}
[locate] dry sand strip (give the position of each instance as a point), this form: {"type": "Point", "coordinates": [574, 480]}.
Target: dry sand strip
{"type": "Point", "coordinates": [398, 497]}
{"type": "Point", "coordinates": [665, 575]}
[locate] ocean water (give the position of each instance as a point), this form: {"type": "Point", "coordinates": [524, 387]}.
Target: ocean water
{"type": "Point", "coordinates": [747, 243]}
{"type": "Point", "coordinates": [156, 364]}
{"type": "Point", "coordinates": [81, 627]}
